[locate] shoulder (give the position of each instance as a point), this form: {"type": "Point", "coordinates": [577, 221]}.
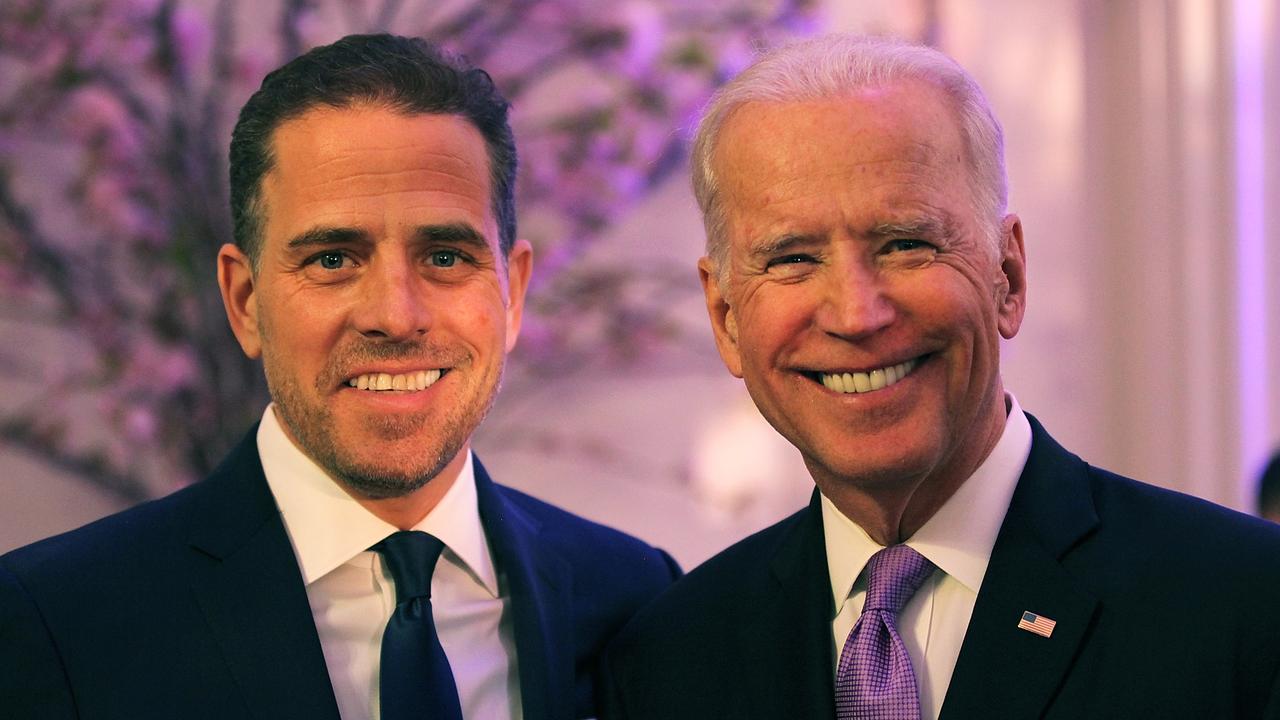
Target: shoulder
{"type": "Point", "coordinates": [669, 660]}
{"type": "Point", "coordinates": [1129, 538]}
{"type": "Point", "coordinates": [751, 565]}
{"type": "Point", "coordinates": [598, 553]}
{"type": "Point", "coordinates": [109, 545]}
{"type": "Point", "coordinates": [718, 594]}
{"type": "Point", "coordinates": [75, 596]}
{"type": "Point", "coordinates": [1059, 490]}
{"type": "Point", "coordinates": [144, 540]}
{"type": "Point", "coordinates": [1185, 589]}
{"type": "Point", "coordinates": [1167, 529]}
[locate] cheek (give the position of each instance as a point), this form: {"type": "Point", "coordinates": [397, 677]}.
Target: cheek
{"type": "Point", "coordinates": [297, 334]}
{"type": "Point", "coordinates": [964, 314]}
{"type": "Point", "coordinates": [950, 298]}
{"type": "Point", "coordinates": [481, 317]}
{"type": "Point", "coordinates": [770, 323]}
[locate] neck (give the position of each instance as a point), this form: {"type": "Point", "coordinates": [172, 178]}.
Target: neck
{"type": "Point", "coordinates": [891, 516]}
{"type": "Point", "coordinates": [891, 509]}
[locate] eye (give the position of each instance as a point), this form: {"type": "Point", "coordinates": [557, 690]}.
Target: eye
{"type": "Point", "coordinates": [444, 258]}
{"type": "Point", "coordinates": [906, 245]}
{"type": "Point", "coordinates": [794, 259]}
{"type": "Point", "coordinates": [330, 260]}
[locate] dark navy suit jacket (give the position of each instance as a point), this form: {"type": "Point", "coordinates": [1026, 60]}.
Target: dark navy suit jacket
{"type": "Point", "coordinates": [1166, 607]}
{"type": "Point", "coordinates": [193, 606]}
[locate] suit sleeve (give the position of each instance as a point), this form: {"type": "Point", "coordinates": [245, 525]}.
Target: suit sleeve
{"type": "Point", "coordinates": [33, 682]}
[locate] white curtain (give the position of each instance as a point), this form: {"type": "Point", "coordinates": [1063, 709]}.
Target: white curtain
{"type": "Point", "coordinates": [1143, 143]}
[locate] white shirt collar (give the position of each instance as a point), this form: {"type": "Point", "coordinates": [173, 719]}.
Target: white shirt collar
{"type": "Point", "coordinates": [328, 528]}
{"type": "Point", "coordinates": [959, 537]}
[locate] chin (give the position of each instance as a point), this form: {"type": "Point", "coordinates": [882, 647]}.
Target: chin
{"type": "Point", "coordinates": [868, 465]}
{"type": "Point", "coordinates": [379, 487]}
{"type": "Point", "coordinates": [377, 482]}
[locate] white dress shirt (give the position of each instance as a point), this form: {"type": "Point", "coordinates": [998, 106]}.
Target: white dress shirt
{"type": "Point", "coordinates": [957, 539]}
{"type": "Point", "coordinates": [352, 595]}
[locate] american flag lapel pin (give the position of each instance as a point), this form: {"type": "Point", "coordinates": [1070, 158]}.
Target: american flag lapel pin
{"type": "Point", "coordinates": [1038, 624]}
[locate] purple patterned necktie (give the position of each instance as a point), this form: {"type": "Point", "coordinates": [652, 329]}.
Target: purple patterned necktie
{"type": "Point", "coordinates": [875, 680]}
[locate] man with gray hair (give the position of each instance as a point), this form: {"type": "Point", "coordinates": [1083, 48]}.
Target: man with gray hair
{"type": "Point", "coordinates": [955, 561]}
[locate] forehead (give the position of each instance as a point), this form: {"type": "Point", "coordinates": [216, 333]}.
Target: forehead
{"type": "Point", "coordinates": [876, 152]}
{"type": "Point", "coordinates": [362, 165]}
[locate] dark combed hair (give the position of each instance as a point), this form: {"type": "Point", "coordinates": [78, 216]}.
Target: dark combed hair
{"type": "Point", "coordinates": [407, 75]}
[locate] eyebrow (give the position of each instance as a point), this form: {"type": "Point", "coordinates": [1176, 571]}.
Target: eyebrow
{"type": "Point", "coordinates": [456, 233]}
{"type": "Point", "coordinates": [774, 246]}
{"type": "Point", "coordinates": [920, 227]}
{"type": "Point", "coordinates": [325, 237]}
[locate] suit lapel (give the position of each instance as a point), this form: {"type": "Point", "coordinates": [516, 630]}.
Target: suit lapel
{"type": "Point", "coordinates": [1000, 665]}
{"type": "Point", "coordinates": [540, 584]}
{"type": "Point", "coordinates": [247, 582]}
{"type": "Point", "coordinates": [788, 661]}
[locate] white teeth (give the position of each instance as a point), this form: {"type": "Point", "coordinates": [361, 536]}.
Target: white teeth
{"type": "Point", "coordinates": [867, 382]}
{"type": "Point", "coordinates": [877, 379]}
{"type": "Point", "coordinates": [861, 382]}
{"type": "Point", "coordinates": [408, 382]}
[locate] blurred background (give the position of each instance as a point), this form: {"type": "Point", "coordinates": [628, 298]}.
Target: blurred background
{"type": "Point", "coordinates": [1143, 159]}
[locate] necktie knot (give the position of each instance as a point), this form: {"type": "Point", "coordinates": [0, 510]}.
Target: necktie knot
{"type": "Point", "coordinates": [411, 557]}
{"type": "Point", "coordinates": [893, 576]}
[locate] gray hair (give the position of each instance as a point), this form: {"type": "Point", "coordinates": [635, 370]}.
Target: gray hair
{"type": "Point", "coordinates": [835, 65]}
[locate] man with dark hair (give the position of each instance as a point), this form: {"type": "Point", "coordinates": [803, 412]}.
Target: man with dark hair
{"type": "Point", "coordinates": [955, 562]}
{"type": "Point", "coordinates": [351, 557]}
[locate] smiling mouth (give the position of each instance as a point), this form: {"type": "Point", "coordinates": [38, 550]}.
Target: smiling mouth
{"type": "Point", "coordinates": [405, 382]}
{"type": "Point", "coordinates": [864, 382]}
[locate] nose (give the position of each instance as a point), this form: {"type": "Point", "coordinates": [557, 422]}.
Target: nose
{"type": "Point", "coordinates": [855, 303]}
{"type": "Point", "coordinates": [394, 302]}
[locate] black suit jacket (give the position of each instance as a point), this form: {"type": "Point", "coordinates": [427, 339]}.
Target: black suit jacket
{"type": "Point", "coordinates": [1166, 607]}
{"type": "Point", "coordinates": [193, 606]}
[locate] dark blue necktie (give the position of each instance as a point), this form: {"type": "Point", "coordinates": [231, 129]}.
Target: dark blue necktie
{"type": "Point", "coordinates": [416, 679]}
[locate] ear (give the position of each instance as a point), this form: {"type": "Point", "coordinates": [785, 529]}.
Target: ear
{"type": "Point", "coordinates": [519, 268]}
{"type": "Point", "coordinates": [1011, 292]}
{"type": "Point", "coordinates": [724, 324]}
{"type": "Point", "coordinates": [236, 280]}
